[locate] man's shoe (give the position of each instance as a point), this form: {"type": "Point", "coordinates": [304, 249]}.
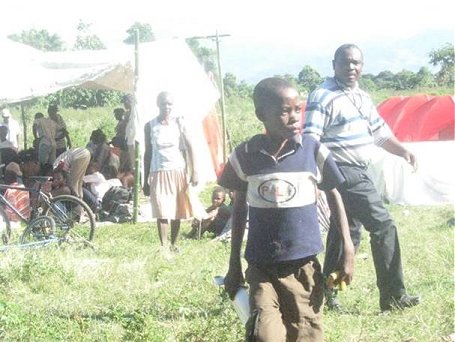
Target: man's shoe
{"type": "Point", "coordinates": [401, 303]}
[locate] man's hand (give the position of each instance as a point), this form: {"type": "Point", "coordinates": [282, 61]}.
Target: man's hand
{"type": "Point", "coordinates": [411, 159]}
{"type": "Point", "coordinates": [233, 281]}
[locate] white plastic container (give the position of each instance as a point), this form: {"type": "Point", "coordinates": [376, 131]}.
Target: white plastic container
{"type": "Point", "coordinates": [241, 300]}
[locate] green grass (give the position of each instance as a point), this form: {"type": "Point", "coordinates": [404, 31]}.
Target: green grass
{"type": "Point", "coordinates": [126, 290]}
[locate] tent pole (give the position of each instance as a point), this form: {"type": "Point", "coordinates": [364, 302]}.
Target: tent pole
{"type": "Point", "coordinates": [223, 113]}
{"type": "Point", "coordinates": [25, 125]}
{"type": "Point", "coordinates": [137, 161]}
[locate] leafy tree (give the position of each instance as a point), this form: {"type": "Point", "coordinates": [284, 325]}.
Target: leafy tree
{"type": "Point", "coordinates": [367, 83]}
{"type": "Point", "coordinates": [405, 79]}
{"type": "Point", "coordinates": [39, 39]}
{"type": "Point", "coordinates": [385, 79]}
{"type": "Point", "coordinates": [205, 56]}
{"type": "Point", "coordinates": [424, 78]}
{"type": "Point", "coordinates": [85, 40]}
{"type": "Point", "coordinates": [230, 84]}
{"type": "Point", "coordinates": [445, 58]}
{"type": "Point", "coordinates": [145, 33]}
{"type": "Point", "coordinates": [309, 78]}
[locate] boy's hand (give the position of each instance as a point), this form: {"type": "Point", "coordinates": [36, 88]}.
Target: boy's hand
{"type": "Point", "coordinates": [233, 281]}
{"type": "Point", "coordinates": [347, 267]}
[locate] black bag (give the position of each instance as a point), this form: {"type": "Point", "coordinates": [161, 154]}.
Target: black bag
{"type": "Point", "coordinates": [115, 206]}
{"type": "Point", "coordinates": [114, 196]}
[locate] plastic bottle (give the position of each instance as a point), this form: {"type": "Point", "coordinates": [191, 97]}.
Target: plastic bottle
{"type": "Point", "coordinates": [241, 302]}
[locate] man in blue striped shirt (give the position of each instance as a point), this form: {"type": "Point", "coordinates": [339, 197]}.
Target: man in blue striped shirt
{"type": "Point", "coordinates": [344, 119]}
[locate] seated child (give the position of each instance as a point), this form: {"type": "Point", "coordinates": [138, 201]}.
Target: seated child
{"type": "Point", "coordinates": [59, 183]}
{"type": "Point", "coordinates": [217, 215]}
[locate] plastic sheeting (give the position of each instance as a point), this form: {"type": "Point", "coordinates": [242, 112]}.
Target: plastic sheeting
{"type": "Point", "coordinates": [432, 183]}
{"type": "Point", "coordinates": [420, 117]}
{"type": "Point", "coordinates": [168, 65]}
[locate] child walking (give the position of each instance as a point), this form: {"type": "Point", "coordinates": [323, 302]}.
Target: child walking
{"type": "Point", "coordinates": [276, 177]}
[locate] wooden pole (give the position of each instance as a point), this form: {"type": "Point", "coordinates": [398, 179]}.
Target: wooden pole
{"type": "Point", "coordinates": [223, 114]}
{"type": "Point", "coordinates": [221, 87]}
{"type": "Point", "coordinates": [137, 155]}
{"type": "Point", "coordinates": [25, 125]}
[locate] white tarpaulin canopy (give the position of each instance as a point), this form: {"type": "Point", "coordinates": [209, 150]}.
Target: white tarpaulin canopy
{"type": "Point", "coordinates": [432, 183]}
{"type": "Point", "coordinates": [168, 65]}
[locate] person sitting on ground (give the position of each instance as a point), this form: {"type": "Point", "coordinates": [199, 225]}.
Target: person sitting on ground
{"type": "Point", "coordinates": [217, 215]}
{"type": "Point", "coordinates": [19, 199]}
{"type": "Point", "coordinates": [98, 185]}
{"type": "Point", "coordinates": [60, 183]}
{"type": "Point", "coordinates": [111, 175]}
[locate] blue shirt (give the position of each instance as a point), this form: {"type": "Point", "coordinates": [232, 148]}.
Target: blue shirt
{"type": "Point", "coordinates": [282, 196]}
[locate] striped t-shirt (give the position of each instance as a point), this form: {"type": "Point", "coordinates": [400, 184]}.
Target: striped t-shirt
{"type": "Point", "coordinates": [346, 121]}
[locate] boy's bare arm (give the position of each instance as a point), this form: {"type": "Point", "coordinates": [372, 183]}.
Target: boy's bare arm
{"type": "Point", "coordinates": [339, 214]}
{"type": "Point", "coordinates": [234, 277]}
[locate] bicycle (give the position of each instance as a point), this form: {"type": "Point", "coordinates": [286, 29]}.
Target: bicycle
{"type": "Point", "coordinates": [60, 218]}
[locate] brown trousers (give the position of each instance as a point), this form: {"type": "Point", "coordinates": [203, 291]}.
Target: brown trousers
{"type": "Point", "coordinates": [286, 301]}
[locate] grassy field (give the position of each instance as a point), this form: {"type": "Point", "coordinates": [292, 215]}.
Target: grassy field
{"type": "Point", "coordinates": [125, 290]}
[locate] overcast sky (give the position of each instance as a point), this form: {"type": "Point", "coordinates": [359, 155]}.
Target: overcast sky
{"type": "Point", "coordinates": [267, 37]}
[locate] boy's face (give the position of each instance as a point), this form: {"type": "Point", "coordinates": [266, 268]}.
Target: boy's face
{"type": "Point", "coordinates": [282, 118]}
{"type": "Point", "coordinates": [58, 180]}
{"type": "Point", "coordinates": [218, 199]}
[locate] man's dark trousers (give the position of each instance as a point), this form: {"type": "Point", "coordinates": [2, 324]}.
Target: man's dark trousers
{"type": "Point", "coordinates": [364, 206]}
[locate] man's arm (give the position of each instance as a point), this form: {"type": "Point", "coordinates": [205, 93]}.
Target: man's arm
{"type": "Point", "coordinates": [234, 277]}
{"type": "Point", "coordinates": [392, 145]}
{"type": "Point", "coordinates": [67, 137]}
{"type": "Point", "coordinates": [337, 209]}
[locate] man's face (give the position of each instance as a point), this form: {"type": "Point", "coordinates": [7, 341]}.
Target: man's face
{"type": "Point", "coordinates": [282, 118]}
{"type": "Point", "coordinates": [348, 66]}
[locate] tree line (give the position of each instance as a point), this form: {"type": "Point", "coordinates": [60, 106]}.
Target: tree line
{"type": "Point", "coordinates": [306, 80]}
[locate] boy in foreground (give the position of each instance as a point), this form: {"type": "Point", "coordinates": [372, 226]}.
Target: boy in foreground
{"type": "Point", "coordinates": [276, 177]}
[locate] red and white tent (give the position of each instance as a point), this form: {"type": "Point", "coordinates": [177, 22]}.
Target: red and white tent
{"type": "Point", "coordinates": [425, 125]}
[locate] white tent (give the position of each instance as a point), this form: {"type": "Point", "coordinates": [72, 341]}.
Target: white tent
{"type": "Point", "coordinates": [169, 65]}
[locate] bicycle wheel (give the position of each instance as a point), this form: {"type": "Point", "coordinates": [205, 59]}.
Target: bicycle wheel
{"type": "Point", "coordinates": [5, 227]}
{"type": "Point", "coordinates": [40, 229]}
{"type": "Point", "coordinates": [74, 220]}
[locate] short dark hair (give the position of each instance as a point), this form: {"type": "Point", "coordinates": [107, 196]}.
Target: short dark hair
{"type": "Point", "coordinates": [162, 95]}
{"type": "Point", "coordinates": [219, 190]}
{"type": "Point", "coordinates": [53, 108]}
{"type": "Point", "coordinates": [119, 110]}
{"type": "Point", "coordinates": [268, 90]}
{"type": "Point", "coordinates": [343, 48]}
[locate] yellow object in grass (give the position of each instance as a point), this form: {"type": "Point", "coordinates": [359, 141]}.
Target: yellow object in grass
{"type": "Point", "coordinates": [333, 281]}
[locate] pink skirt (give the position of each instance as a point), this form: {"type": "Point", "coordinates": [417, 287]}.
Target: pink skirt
{"type": "Point", "coordinates": [169, 195]}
